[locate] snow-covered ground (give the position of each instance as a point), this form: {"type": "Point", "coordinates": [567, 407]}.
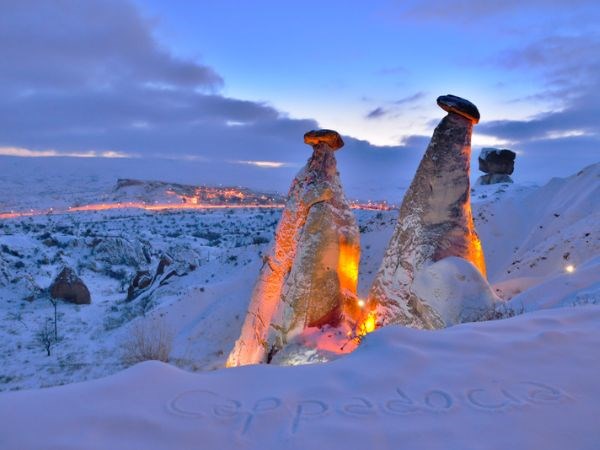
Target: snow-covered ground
{"type": "Point", "coordinates": [496, 384]}
{"type": "Point", "coordinates": [217, 254]}
{"type": "Point", "coordinates": [528, 382]}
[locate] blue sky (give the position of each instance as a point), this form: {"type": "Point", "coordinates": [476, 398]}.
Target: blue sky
{"type": "Point", "coordinates": [234, 82]}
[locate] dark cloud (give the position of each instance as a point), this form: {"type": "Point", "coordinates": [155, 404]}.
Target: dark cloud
{"type": "Point", "coordinates": [376, 113]}
{"type": "Point", "coordinates": [81, 76]}
{"type": "Point", "coordinates": [99, 43]}
{"type": "Point", "coordinates": [571, 70]}
{"type": "Point", "coordinates": [393, 109]}
{"type": "Point", "coordinates": [410, 99]}
{"type": "Point", "coordinates": [90, 77]}
{"type": "Point", "coordinates": [568, 134]}
{"type": "Point", "coordinates": [459, 12]}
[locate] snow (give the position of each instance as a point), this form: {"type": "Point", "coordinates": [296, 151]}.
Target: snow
{"type": "Point", "coordinates": [496, 385]}
{"type": "Point", "coordinates": [485, 151]}
{"type": "Point", "coordinates": [455, 289]}
{"type": "Point", "coordinates": [527, 381]}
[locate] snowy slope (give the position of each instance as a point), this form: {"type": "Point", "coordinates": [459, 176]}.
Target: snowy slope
{"type": "Point", "coordinates": [536, 232]}
{"type": "Point", "coordinates": [533, 236]}
{"type": "Point", "coordinates": [514, 383]}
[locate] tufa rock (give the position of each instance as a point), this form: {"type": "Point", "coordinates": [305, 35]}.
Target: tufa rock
{"type": "Point", "coordinates": [493, 178]}
{"type": "Point", "coordinates": [309, 276]}
{"type": "Point", "coordinates": [328, 137]}
{"type": "Point", "coordinates": [140, 281]}
{"type": "Point", "coordinates": [120, 251]}
{"type": "Point", "coordinates": [165, 261]}
{"type": "Point", "coordinates": [498, 164]}
{"type": "Point", "coordinates": [461, 106]}
{"type": "Point", "coordinates": [496, 160]}
{"type": "Point", "coordinates": [435, 222]}
{"type": "Point", "coordinates": [68, 286]}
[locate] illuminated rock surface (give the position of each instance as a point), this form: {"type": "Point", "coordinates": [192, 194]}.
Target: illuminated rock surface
{"type": "Point", "coordinates": [460, 106]}
{"type": "Point", "coordinates": [435, 222]}
{"type": "Point", "coordinates": [310, 275]}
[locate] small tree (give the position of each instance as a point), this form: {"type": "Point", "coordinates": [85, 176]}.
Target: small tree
{"type": "Point", "coordinates": [54, 302]}
{"type": "Point", "coordinates": [45, 336]}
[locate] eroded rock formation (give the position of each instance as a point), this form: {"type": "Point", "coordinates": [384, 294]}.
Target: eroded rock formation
{"type": "Point", "coordinates": [497, 164]}
{"type": "Point", "coordinates": [435, 222]}
{"type": "Point", "coordinates": [309, 277]}
{"type": "Point", "coordinates": [69, 287]}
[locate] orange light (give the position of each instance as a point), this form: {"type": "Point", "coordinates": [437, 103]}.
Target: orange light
{"type": "Point", "coordinates": [348, 265]}
{"type": "Point", "coordinates": [188, 202]}
{"type": "Point", "coordinates": [368, 326]}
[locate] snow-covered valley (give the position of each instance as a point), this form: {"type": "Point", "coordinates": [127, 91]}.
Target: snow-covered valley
{"type": "Point", "coordinates": [521, 374]}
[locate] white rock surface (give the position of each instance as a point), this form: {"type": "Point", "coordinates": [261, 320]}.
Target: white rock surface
{"type": "Point", "coordinates": [455, 289]}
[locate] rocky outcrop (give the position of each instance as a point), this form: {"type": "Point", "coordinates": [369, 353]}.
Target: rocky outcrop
{"type": "Point", "coordinates": [497, 164]}
{"type": "Point", "coordinates": [435, 222]}
{"type": "Point", "coordinates": [4, 272]}
{"type": "Point", "coordinates": [120, 251]}
{"type": "Point", "coordinates": [140, 282]}
{"type": "Point", "coordinates": [69, 287]}
{"type": "Point", "coordinates": [309, 277]}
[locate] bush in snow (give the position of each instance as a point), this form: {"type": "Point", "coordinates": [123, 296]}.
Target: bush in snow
{"type": "Point", "coordinates": [45, 336]}
{"type": "Point", "coordinates": [148, 340]}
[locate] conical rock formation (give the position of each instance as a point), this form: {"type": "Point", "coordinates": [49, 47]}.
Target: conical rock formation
{"type": "Point", "coordinates": [435, 222]}
{"type": "Point", "coordinates": [310, 275]}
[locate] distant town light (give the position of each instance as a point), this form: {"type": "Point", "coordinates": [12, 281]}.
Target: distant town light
{"type": "Point", "coordinates": [570, 268]}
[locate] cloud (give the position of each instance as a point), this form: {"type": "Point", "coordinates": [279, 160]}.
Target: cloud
{"type": "Point", "coordinates": [568, 135]}
{"type": "Point", "coordinates": [89, 81]}
{"type": "Point", "coordinates": [101, 43]}
{"type": "Point", "coordinates": [410, 99]}
{"type": "Point", "coordinates": [571, 72]}
{"type": "Point", "coordinates": [474, 12]}
{"type": "Point", "coordinates": [27, 153]}
{"type": "Point", "coordinates": [376, 113]}
{"type": "Point", "coordinates": [90, 77]}
{"type": "Point", "coordinates": [394, 107]}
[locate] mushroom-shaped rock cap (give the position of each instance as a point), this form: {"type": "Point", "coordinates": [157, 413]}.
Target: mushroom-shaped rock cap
{"type": "Point", "coordinates": [465, 108]}
{"type": "Point", "coordinates": [329, 137]}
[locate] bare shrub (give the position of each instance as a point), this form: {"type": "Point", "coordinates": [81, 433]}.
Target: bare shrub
{"type": "Point", "coordinates": [148, 340]}
{"type": "Point", "coordinates": [45, 336]}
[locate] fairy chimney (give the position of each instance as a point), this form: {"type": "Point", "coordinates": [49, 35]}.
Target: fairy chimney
{"type": "Point", "coordinates": [435, 221]}
{"type": "Point", "coordinates": [309, 277]}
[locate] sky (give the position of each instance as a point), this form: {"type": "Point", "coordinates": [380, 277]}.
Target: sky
{"type": "Point", "coordinates": [229, 87]}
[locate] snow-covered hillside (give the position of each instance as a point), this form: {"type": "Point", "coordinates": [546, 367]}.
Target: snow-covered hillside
{"type": "Point", "coordinates": [542, 244]}
{"type": "Point", "coordinates": [520, 375]}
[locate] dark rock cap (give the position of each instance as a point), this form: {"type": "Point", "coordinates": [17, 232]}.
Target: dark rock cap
{"type": "Point", "coordinates": [465, 108]}
{"type": "Point", "coordinates": [329, 137]}
{"type": "Point", "coordinates": [497, 161]}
